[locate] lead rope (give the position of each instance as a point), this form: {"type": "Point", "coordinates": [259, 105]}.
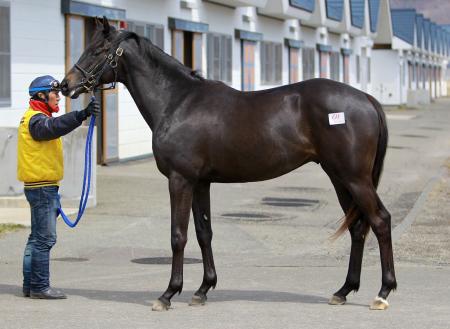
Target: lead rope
{"type": "Point", "coordinates": [86, 179]}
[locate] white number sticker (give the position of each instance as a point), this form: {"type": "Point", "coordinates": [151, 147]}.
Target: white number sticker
{"type": "Point", "coordinates": [336, 118]}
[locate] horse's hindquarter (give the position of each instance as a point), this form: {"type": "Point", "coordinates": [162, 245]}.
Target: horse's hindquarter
{"type": "Point", "coordinates": [345, 146]}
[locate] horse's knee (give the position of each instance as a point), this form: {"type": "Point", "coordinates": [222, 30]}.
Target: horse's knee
{"type": "Point", "coordinates": [178, 241]}
{"type": "Point", "coordinates": [204, 238]}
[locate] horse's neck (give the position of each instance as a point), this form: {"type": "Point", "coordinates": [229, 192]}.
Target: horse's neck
{"type": "Point", "coordinates": [156, 82]}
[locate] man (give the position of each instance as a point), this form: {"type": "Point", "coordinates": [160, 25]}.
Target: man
{"type": "Point", "coordinates": [40, 167]}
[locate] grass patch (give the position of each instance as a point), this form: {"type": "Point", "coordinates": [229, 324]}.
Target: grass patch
{"type": "Point", "coordinates": [10, 228]}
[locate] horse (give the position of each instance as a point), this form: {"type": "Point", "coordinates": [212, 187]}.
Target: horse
{"type": "Point", "coordinates": [207, 132]}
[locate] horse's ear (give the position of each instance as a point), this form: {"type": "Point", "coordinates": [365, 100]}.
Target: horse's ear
{"type": "Point", "coordinates": [98, 23]}
{"type": "Point", "coordinates": [106, 27]}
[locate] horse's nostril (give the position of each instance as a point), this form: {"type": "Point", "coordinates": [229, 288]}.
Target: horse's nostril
{"type": "Point", "coordinates": [64, 85]}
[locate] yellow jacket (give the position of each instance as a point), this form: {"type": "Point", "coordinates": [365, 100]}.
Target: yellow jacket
{"type": "Point", "coordinates": [40, 163]}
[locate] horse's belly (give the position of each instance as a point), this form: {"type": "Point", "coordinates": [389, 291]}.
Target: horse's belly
{"type": "Point", "coordinates": [251, 168]}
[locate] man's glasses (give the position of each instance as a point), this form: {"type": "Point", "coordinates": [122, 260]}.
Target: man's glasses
{"type": "Point", "coordinates": [55, 85]}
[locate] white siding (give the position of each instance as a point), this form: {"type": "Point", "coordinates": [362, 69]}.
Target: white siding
{"type": "Point", "coordinates": [37, 48]}
{"type": "Point", "coordinates": [386, 76]}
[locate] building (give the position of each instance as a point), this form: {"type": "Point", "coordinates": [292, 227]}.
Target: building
{"type": "Point", "coordinates": [410, 58]}
{"type": "Point", "coordinates": [248, 44]}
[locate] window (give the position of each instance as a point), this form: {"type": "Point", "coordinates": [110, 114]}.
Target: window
{"type": "Point", "coordinates": [219, 48]}
{"type": "Point", "coordinates": [150, 31]}
{"type": "Point", "coordinates": [271, 59]}
{"type": "Point", "coordinates": [308, 63]}
{"type": "Point", "coordinates": [334, 66]}
{"type": "Point", "coordinates": [5, 56]}
{"type": "Point", "coordinates": [368, 70]}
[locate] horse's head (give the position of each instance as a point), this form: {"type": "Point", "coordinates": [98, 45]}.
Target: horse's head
{"type": "Point", "coordinates": [98, 63]}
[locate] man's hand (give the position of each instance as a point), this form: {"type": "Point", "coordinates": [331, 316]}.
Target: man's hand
{"type": "Point", "coordinates": [92, 109]}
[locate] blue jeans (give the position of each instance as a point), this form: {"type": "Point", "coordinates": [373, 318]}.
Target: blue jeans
{"type": "Point", "coordinates": [44, 203]}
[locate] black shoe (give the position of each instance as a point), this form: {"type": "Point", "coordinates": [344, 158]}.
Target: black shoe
{"type": "Point", "coordinates": [26, 292]}
{"type": "Point", "coordinates": [50, 293]}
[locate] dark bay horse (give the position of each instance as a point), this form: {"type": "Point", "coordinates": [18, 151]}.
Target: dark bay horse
{"type": "Point", "coordinates": [206, 132]}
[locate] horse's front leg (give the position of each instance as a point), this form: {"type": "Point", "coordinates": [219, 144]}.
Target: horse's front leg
{"type": "Point", "coordinates": [180, 190]}
{"type": "Point", "coordinates": [202, 218]}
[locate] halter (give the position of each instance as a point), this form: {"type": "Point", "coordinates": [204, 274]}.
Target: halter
{"type": "Point", "coordinates": [90, 78]}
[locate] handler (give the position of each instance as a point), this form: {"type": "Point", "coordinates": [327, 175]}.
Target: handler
{"type": "Point", "coordinates": [41, 167]}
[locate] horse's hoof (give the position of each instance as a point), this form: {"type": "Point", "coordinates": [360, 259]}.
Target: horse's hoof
{"type": "Point", "coordinates": [379, 304]}
{"type": "Point", "coordinates": [197, 301]}
{"type": "Point", "coordinates": [159, 306]}
{"type": "Point", "coordinates": [337, 300]}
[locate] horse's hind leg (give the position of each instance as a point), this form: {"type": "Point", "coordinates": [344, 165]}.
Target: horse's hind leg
{"type": "Point", "coordinates": [358, 231]}
{"type": "Point", "coordinates": [202, 218]}
{"type": "Point", "coordinates": [370, 205]}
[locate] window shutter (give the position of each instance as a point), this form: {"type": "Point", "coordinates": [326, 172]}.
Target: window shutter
{"type": "Point", "coordinates": [229, 58]}
{"type": "Point", "coordinates": [159, 37]}
{"type": "Point", "coordinates": [5, 56]}
{"type": "Point", "coordinates": [140, 30]}
{"type": "Point", "coordinates": [278, 63]}
{"type": "Point", "coordinates": [210, 55]}
{"type": "Point", "coordinates": [219, 53]}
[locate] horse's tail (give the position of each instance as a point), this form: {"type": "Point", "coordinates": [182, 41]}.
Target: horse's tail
{"type": "Point", "coordinates": [382, 142]}
{"type": "Point", "coordinates": [353, 213]}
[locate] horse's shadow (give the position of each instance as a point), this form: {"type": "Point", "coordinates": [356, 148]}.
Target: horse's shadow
{"type": "Point", "coordinates": [146, 298]}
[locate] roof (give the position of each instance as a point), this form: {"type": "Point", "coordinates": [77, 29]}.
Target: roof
{"type": "Point", "coordinates": [403, 23]}
{"type": "Point", "coordinates": [357, 13]}
{"type": "Point", "coordinates": [446, 37]}
{"type": "Point", "coordinates": [374, 10]}
{"type": "Point", "coordinates": [433, 37]}
{"type": "Point", "coordinates": [426, 32]}
{"type": "Point", "coordinates": [335, 9]}
{"type": "Point", "coordinates": [419, 30]}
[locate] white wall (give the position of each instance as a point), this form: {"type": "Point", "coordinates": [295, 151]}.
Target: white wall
{"type": "Point", "coordinates": [386, 76]}
{"type": "Point", "coordinates": [37, 48]}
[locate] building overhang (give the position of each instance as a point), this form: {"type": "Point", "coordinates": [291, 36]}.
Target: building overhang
{"type": "Point", "coordinates": [73, 7]}
{"type": "Point", "coordinates": [293, 43]}
{"type": "Point", "coordinates": [248, 35]}
{"type": "Point", "coordinates": [240, 3]}
{"type": "Point", "coordinates": [184, 25]}
{"type": "Point", "coordinates": [400, 44]}
{"type": "Point", "coordinates": [283, 9]}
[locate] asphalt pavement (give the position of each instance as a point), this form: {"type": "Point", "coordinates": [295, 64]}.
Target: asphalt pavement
{"type": "Point", "coordinates": [276, 264]}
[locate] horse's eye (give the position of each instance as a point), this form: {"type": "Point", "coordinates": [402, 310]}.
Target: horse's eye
{"type": "Point", "coordinates": [98, 51]}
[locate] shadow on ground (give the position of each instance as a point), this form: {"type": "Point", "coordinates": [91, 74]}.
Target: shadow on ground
{"type": "Point", "coordinates": [147, 297]}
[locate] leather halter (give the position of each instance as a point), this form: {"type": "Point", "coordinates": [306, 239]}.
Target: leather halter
{"type": "Point", "coordinates": [91, 78]}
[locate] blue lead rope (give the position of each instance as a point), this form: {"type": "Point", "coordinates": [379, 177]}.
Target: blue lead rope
{"type": "Point", "coordinates": [86, 179]}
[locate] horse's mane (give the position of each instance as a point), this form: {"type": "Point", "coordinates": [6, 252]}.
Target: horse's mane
{"type": "Point", "coordinates": [157, 55]}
